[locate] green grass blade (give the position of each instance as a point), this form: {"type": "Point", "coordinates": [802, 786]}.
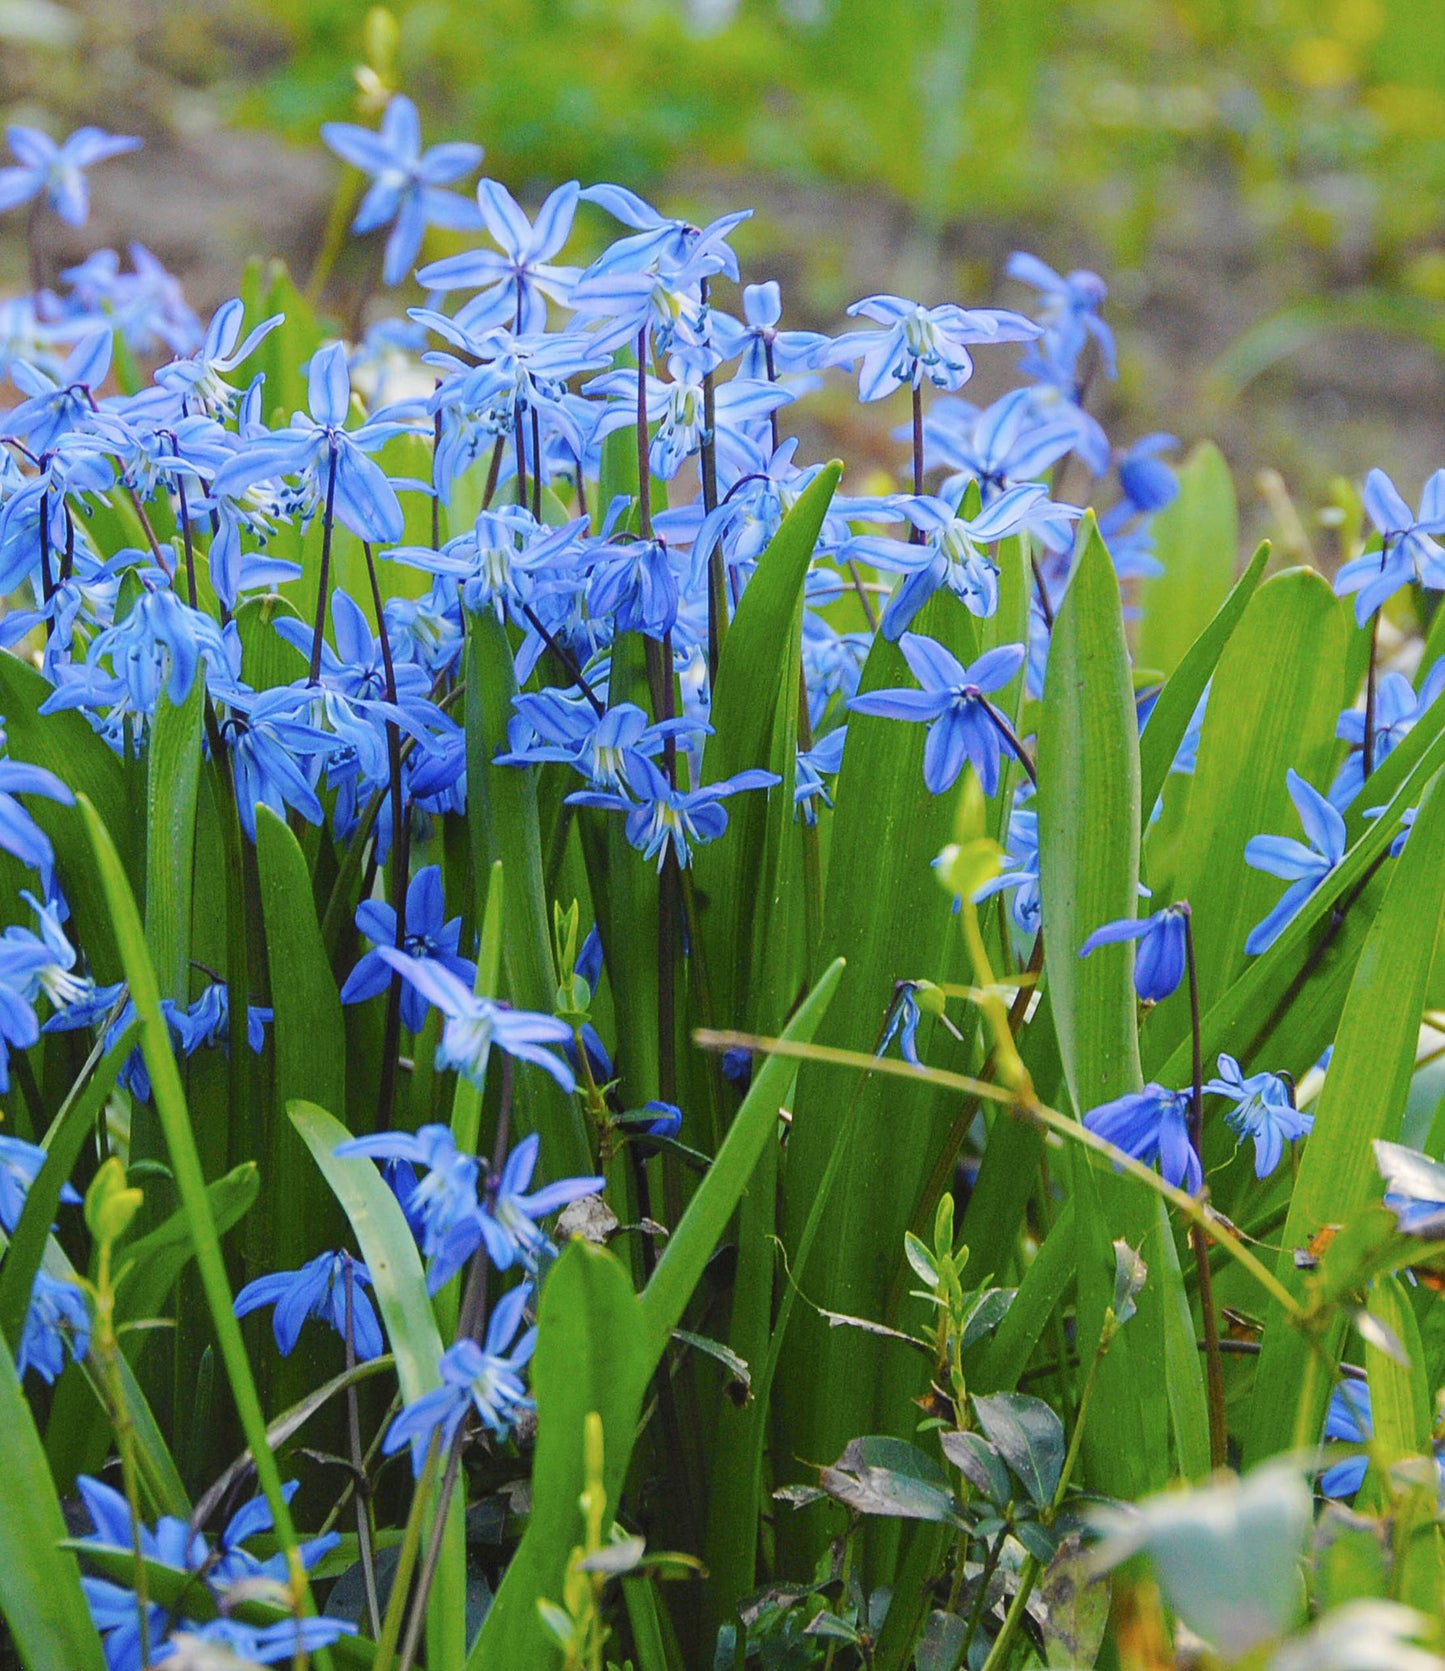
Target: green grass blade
{"type": "Point", "coordinates": [1197, 540]}
{"type": "Point", "coordinates": [170, 1104]}
{"type": "Point", "coordinates": [173, 781]}
{"type": "Point", "coordinates": [1363, 1099]}
{"type": "Point", "coordinates": [40, 1595]}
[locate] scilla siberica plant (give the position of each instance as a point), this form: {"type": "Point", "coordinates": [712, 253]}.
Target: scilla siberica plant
{"type": "Point", "coordinates": [483, 822]}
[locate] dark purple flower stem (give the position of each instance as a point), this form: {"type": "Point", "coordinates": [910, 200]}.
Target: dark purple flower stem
{"type": "Point", "coordinates": [323, 588]}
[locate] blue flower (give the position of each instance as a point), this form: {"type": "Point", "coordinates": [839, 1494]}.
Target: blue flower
{"type": "Point", "coordinates": [1022, 872]}
{"type": "Point", "coordinates": [1398, 709]}
{"type": "Point", "coordinates": [59, 404]}
{"type": "Point", "coordinates": [1414, 1189]}
{"type": "Point", "coordinates": [20, 1164]}
{"type": "Point", "coordinates": [428, 934]}
{"type": "Point", "coordinates": [634, 583]}
{"type": "Point", "coordinates": [515, 285]}
{"type": "Point", "coordinates": [903, 1022]}
{"type": "Point", "coordinates": [273, 1644]}
{"type": "Point", "coordinates": [822, 761]}
{"type": "Point", "coordinates": [57, 170]}
{"type": "Point", "coordinates": [597, 745]}
{"type": "Point", "coordinates": [20, 835]}
{"type": "Point", "coordinates": [198, 380]}
{"type": "Point", "coordinates": [330, 458]}
{"type": "Point", "coordinates": [1002, 446]}
{"type": "Point", "coordinates": [57, 1319]}
{"type": "Point", "coordinates": [1069, 309]}
{"type": "Point", "coordinates": [918, 342]}
{"type": "Point", "coordinates": [1151, 1124]}
{"type": "Point", "coordinates": [1351, 1420]}
{"type": "Point", "coordinates": [1303, 867]}
{"type": "Point", "coordinates": [474, 1024]}
{"type": "Point", "coordinates": [1159, 964]}
{"type": "Point", "coordinates": [667, 1124]}
{"type": "Point", "coordinates": [952, 704]}
{"type": "Point", "coordinates": [444, 1204]}
{"type": "Point", "coordinates": [485, 1378]}
{"type": "Point", "coordinates": [764, 352]}
{"type": "Point", "coordinates": [325, 1288]}
{"type": "Point", "coordinates": [661, 815]}
{"type": "Point", "coordinates": [509, 1221]}
{"type": "Point", "coordinates": [1263, 1109]}
{"type": "Point", "coordinates": [1408, 550]}
{"type": "Point", "coordinates": [405, 182]}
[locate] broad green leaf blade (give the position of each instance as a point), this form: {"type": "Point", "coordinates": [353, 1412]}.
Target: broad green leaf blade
{"type": "Point", "coordinates": [267, 658]}
{"type": "Point", "coordinates": [1363, 1099]}
{"type": "Point", "coordinates": [1274, 705]}
{"type": "Point", "coordinates": [1197, 540]}
{"type": "Point", "coordinates": [756, 694]}
{"type": "Point", "coordinates": [502, 812]}
{"type": "Point", "coordinates": [592, 1355]}
{"type": "Point", "coordinates": [173, 781]}
{"type": "Point", "coordinates": [40, 1595]}
{"type": "Point", "coordinates": [185, 1164]}
{"type": "Point", "coordinates": [388, 1249]}
{"type": "Point", "coordinates": [1182, 690]}
{"type": "Point", "coordinates": [1088, 802]}
{"type": "Point", "coordinates": [1000, 1361]}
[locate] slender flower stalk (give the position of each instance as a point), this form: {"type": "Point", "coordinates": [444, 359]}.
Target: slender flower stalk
{"type": "Point", "coordinates": [1214, 1362]}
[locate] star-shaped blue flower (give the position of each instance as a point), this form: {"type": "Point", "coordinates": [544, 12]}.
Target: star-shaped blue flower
{"type": "Point", "coordinates": [1304, 868]}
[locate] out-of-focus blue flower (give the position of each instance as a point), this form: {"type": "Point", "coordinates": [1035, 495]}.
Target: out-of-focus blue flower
{"type": "Point", "coordinates": [1068, 308]}
{"type": "Point", "coordinates": [428, 935]}
{"type": "Point", "coordinates": [952, 705]}
{"type": "Point", "coordinates": [1002, 446]}
{"type": "Point", "coordinates": [20, 835]}
{"type": "Point", "coordinates": [1398, 708]}
{"type": "Point", "coordinates": [1151, 1124]}
{"type": "Point", "coordinates": [57, 1320]}
{"type": "Point", "coordinates": [667, 1124]}
{"type": "Point", "coordinates": [516, 284]}
{"type": "Point", "coordinates": [1304, 868]}
{"type": "Point", "coordinates": [1408, 551]}
{"type": "Point", "coordinates": [661, 815]}
{"type": "Point", "coordinates": [274, 1644]}
{"type": "Point", "coordinates": [57, 171]}
{"type": "Point", "coordinates": [326, 1287]}
{"type": "Point", "coordinates": [486, 1379]}
{"type": "Point", "coordinates": [1350, 1419]}
{"type": "Point", "coordinates": [1263, 1109]}
{"type": "Point", "coordinates": [405, 182]}
{"type": "Point", "coordinates": [1414, 1189]}
{"type": "Point", "coordinates": [474, 1025]}
{"type": "Point", "coordinates": [510, 1215]}
{"type": "Point", "coordinates": [1147, 482]}
{"type": "Point", "coordinates": [918, 343]}
{"type": "Point", "coordinates": [1159, 963]}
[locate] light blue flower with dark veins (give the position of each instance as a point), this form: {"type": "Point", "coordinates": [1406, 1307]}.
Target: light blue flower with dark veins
{"type": "Point", "coordinates": [57, 171]}
{"type": "Point", "coordinates": [1398, 709]}
{"type": "Point", "coordinates": [486, 1378]}
{"type": "Point", "coordinates": [56, 1321]}
{"type": "Point", "coordinates": [405, 182]}
{"type": "Point", "coordinates": [1304, 868]}
{"type": "Point", "coordinates": [552, 725]}
{"type": "Point", "coordinates": [510, 1214]}
{"type": "Point", "coordinates": [428, 934]}
{"type": "Point", "coordinates": [633, 580]}
{"type": "Point", "coordinates": [661, 816]}
{"type": "Point", "coordinates": [952, 703]}
{"type": "Point", "coordinates": [917, 343]}
{"type": "Point", "coordinates": [1004, 445]}
{"type": "Point", "coordinates": [57, 405]}
{"type": "Point", "coordinates": [1159, 962]}
{"type": "Point", "coordinates": [199, 381]}
{"type": "Point", "coordinates": [517, 279]}
{"type": "Point", "coordinates": [1263, 1109]}
{"type": "Point", "coordinates": [20, 835]}
{"type": "Point", "coordinates": [1409, 551]}
{"type": "Point", "coordinates": [761, 349]}
{"type": "Point", "coordinates": [659, 240]}
{"type": "Point", "coordinates": [1151, 1125]}
{"type": "Point", "coordinates": [446, 1198]}
{"type": "Point", "coordinates": [1414, 1189]}
{"type": "Point", "coordinates": [326, 1287]}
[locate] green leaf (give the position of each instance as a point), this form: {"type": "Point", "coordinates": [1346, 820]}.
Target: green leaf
{"type": "Point", "coordinates": [170, 1103]}
{"type": "Point", "coordinates": [310, 1044]}
{"type": "Point", "coordinates": [1088, 763]}
{"type": "Point", "coordinates": [1002, 1360]}
{"type": "Point", "coordinates": [756, 695]}
{"type": "Point", "coordinates": [1197, 540]}
{"type": "Point", "coordinates": [173, 781]}
{"type": "Point", "coordinates": [1363, 1099]}
{"type": "Point", "coordinates": [1029, 1437]}
{"type": "Point", "coordinates": [151, 1265]}
{"type": "Point", "coordinates": [887, 1476]}
{"type": "Point", "coordinates": [502, 815]}
{"type": "Point", "coordinates": [63, 1144]}
{"type": "Point", "coordinates": [40, 1595]}
{"type": "Point", "coordinates": [1180, 696]}
{"type": "Point", "coordinates": [267, 658]}
{"type": "Point", "coordinates": [1274, 705]}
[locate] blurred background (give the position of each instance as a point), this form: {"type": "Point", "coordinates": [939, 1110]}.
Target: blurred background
{"type": "Point", "coordinates": [1261, 182]}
